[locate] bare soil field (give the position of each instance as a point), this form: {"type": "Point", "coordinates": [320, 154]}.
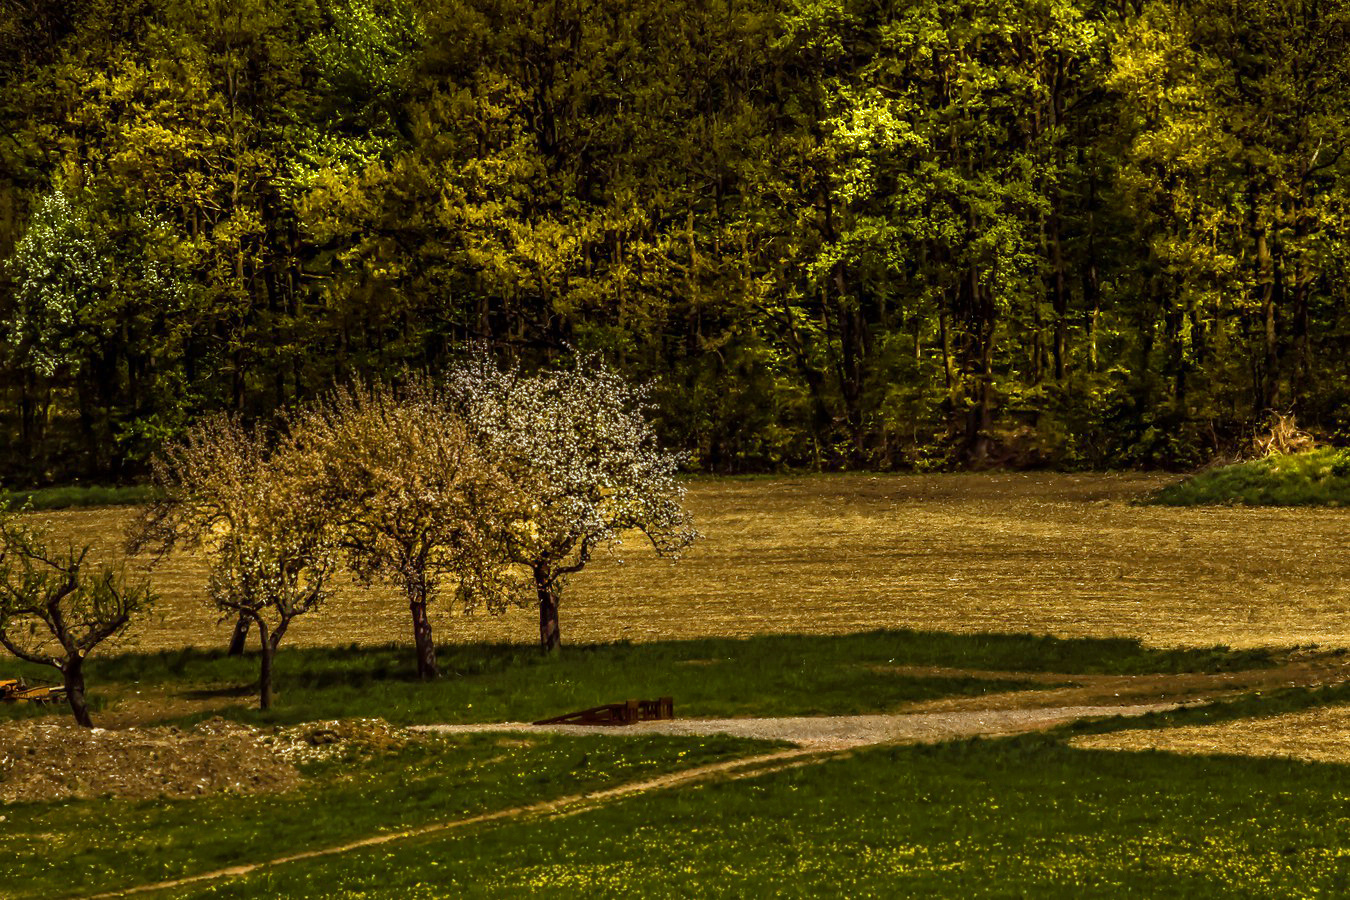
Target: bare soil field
{"type": "Point", "coordinates": [1068, 555]}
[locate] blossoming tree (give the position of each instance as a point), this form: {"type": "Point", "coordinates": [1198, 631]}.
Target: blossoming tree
{"type": "Point", "coordinates": [581, 467]}
{"type": "Point", "coordinates": [409, 494]}
{"type": "Point", "coordinates": [272, 545]}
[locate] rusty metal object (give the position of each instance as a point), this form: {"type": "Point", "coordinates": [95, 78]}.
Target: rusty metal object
{"type": "Point", "coordinates": [42, 695]}
{"type": "Point", "coordinates": [625, 713]}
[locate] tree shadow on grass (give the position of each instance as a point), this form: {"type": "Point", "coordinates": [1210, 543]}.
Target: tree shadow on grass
{"type": "Point", "coordinates": [757, 676]}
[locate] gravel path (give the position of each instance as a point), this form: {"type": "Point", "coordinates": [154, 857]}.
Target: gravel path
{"type": "Point", "coordinates": [841, 732]}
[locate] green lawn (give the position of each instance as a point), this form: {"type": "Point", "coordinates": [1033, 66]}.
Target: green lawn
{"type": "Point", "coordinates": [1009, 818]}
{"type": "Point", "coordinates": [761, 676]}
{"type": "Point", "coordinates": [1318, 478]}
{"type": "Point", "coordinates": [80, 847]}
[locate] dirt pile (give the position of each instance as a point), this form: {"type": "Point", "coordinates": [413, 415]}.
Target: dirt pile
{"type": "Point", "coordinates": [42, 762]}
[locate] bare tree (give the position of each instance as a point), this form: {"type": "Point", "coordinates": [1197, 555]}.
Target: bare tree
{"type": "Point", "coordinates": [581, 465]}
{"type": "Point", "coordinates": [54, 611]}
{"type": "Point", "coordinates": [273, 548]}
{"type": "Point", "coordinates": [410, 495]}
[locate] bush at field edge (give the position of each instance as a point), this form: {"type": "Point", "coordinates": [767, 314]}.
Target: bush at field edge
{"type": "Point", "coordinates": [1317, 478]}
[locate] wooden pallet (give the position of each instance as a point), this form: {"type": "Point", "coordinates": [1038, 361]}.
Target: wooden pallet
{"type": "Point", "coordinates": [625, 713]}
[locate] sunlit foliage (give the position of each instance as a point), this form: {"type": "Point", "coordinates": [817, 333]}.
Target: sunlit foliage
{"type": "Point", "coordinates": [887, 235]}
{"type": "Point", "coordinates": [272, 545]}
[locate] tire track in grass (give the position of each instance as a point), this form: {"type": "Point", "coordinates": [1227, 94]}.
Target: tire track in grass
{"type": "Point", "coordinates": [572, 804]}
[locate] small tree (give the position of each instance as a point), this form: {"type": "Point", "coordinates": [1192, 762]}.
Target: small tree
{"type": "Point", "coordinates": [273, 548]}
{"type": "Point", "coordinates": [412, 500]}
{"type": "Point", "coordinates": [581, 465]}
{"type": "Point", "coordinates": [54, 610]}
{"type": "Point", "coordinates": [269, 576]}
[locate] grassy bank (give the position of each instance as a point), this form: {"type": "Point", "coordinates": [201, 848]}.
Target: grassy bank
{"type": "Point", "coordinates": [1319, 478]}
{"type": "Point", "coordinates": [1007, 818]}
{"type": "Point", "coordinates": [76, 496]}
{"type": "Point", "coordinates": [762, 676]}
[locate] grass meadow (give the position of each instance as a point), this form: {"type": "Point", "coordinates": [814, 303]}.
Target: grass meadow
{"type": "Point", "coordinates": [1013, 818]}
{"type": "Point", "coordinates": [76, 496]}
{"type": "Point", "coordinates": [1316, 478]}
{"type": "Point", "coordinates": [84, 847]}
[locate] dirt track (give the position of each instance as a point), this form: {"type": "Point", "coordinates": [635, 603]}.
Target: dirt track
{"type": "Point", "coordinates": [1070, 697]}
{"type": "Point", "coordinates": [847, 732]}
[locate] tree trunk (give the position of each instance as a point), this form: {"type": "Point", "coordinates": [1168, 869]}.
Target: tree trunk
{"type": "Point", "coordinates": [28, 426]}
{"type": "Point", "coordinates": [852, 344]}
{"type": "Point", "coordinates": [1059, 296]}
{"type": "Point", "coordinates": [265, 669]}
{"type": "Point", "coordinates": [1059, 290]}
{"type": "Point", "coordinates": [240, 636]}
{"type": "Point", "coordinates": [550, 638]}
{"type": "Point", "coordinates": [1091, 283]}
{"type": "Point", "coordinates": [1266, 283]}
{"type": "Point", "coordinates": [1302, 358]}
{"type": "Point", "coordinates": [74, 680]}
{"type": "Point", "coordinates": [977, 359]}
{"type": "Point", "coordinates": [426, 647]}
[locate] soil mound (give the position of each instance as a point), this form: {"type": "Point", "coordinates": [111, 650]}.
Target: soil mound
{"type": "Point", "coordinates": [43, 762]}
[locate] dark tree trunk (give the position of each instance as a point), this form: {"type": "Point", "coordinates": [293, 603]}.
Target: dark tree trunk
{"type": "Point", "coordinates": [240, 636]}
{"type": "Point", "coordinates": [852, 344]}
{"type": "Point", "coordinates": [1059, 290]}
{"type": "Point", "coordinates": [815, 382]}
{"type": "Point", "coordinates": [1266, 287]}
{"type": "Point", "coordinates": [1059, 297]}
{"type": "Point", "coordinates": [1302, 358]}
{"type": "Point", "coordinates": [550, 637]}
{"type": "Point", "coordinates": [265, 669]}
{"type": "Point", "coordinates": [426, 647]}
{"type": "Point", "coordinates": [1091, 283]}
{"type": "Point", "coordinates": [977, 359]}
{"type": "Point", "coordinates": [28, 426]}
{"type": "Point", "coordinates": [74, 680]}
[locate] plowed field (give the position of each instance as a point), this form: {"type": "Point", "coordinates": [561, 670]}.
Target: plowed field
{"type": "Point", "coordinates": [1058, 554]}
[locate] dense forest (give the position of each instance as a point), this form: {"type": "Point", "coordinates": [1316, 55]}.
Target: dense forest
{"type": "Point", "coordinates": [859, 233]}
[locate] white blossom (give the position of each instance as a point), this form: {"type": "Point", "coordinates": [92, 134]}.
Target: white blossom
{"type": "Point", "coordinates": [580, 461]}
